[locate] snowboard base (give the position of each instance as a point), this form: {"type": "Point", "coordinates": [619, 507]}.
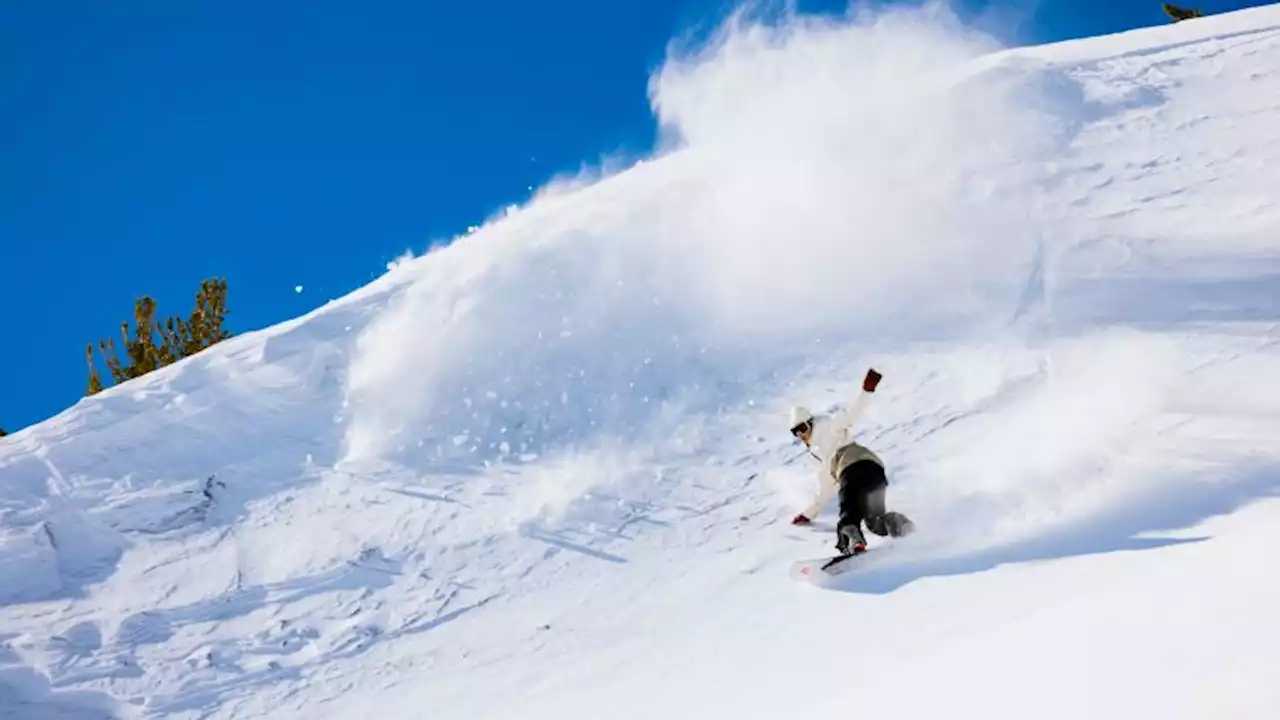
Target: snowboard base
{"type": "Point", "coordinates": [821, 568]}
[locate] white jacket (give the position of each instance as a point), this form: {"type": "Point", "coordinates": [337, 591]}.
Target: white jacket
{"type": "Point", "coordinates": [832, 444]}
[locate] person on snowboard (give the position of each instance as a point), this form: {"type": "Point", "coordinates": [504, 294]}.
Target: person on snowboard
{"type": "Point", "coordinates": [851, 470]}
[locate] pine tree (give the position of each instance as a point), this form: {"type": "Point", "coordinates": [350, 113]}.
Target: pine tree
{"type": "Point", "coordinates": [1179, 14]}
{"type": "Point", "coordinates": [205, 326]}
{"type": "Point", "coordinates": [95, 382]}
{"type": "Point", "coordinates": [178, 338]}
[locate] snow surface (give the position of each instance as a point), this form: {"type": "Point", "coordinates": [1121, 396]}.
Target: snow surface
{"type": "Point", "coordinates": [543, 472]}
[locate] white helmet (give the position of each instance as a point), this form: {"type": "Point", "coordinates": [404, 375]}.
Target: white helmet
{"type": "Point", "coordinates": [799, 416]}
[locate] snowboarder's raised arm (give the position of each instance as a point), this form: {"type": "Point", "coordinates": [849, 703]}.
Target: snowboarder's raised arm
{"type": "Point", "coordinates": [845, 419]}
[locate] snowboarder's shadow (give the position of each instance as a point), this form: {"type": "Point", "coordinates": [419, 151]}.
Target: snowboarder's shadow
{"type": "Point", "coordinates": [818, 526]}
{"type": "Point", "coordinates": [1169, 507]}
{"type": "Point", "coordinates": [815, 529]}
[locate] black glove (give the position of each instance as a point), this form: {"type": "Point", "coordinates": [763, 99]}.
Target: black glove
{"type": "Point", "coordinates": [871, 381]}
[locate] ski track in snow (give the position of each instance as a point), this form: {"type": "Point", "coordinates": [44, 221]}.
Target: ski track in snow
{"type": "Point", "coordinates": [466, 489]}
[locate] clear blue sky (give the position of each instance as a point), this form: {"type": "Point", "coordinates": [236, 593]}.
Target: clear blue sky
{"type": "Point", "coordinates": [149, 144]}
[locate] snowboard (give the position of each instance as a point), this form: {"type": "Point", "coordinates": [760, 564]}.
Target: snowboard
{"type": "Point", "coordinates": [818, 569]}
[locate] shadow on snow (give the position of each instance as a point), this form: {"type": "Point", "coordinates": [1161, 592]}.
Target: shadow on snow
{"type": "Point", "coordinates": [1119, 529]}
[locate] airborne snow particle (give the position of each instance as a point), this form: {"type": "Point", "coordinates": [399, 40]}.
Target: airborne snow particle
{"type": "Point", "coordinates": [297, 288]}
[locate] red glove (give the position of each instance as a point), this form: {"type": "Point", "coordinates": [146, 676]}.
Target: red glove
{"type": "Point", "coordinates": [871, 381]}
{"type": "Point", "coordinates": [800, 520]}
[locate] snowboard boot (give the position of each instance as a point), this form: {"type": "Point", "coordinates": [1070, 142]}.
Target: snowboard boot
{"type": "Point", "coordinates": [898, 524]}
{"type": "Point", "coordinates": [850, 541]}
{"type": "Point", "coordinates": [890, 524]}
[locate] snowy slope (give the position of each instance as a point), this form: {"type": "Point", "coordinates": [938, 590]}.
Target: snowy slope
{"type": "Point", "coordinates": [543, 472]}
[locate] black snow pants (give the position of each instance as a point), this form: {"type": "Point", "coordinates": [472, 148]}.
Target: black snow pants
{"type": "Point", "coordinates": [862, 490]}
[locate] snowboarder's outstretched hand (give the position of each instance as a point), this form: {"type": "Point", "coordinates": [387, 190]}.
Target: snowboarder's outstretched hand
{"type": "Point", "coordinates": [872, 379]}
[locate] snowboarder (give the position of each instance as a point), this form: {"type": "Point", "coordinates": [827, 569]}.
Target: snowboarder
{"type": "Point", "coordinates": [851, 470]}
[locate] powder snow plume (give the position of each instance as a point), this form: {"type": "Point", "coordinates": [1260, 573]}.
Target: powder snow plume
{"type": "Point", "coordinates": [827, 180]}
